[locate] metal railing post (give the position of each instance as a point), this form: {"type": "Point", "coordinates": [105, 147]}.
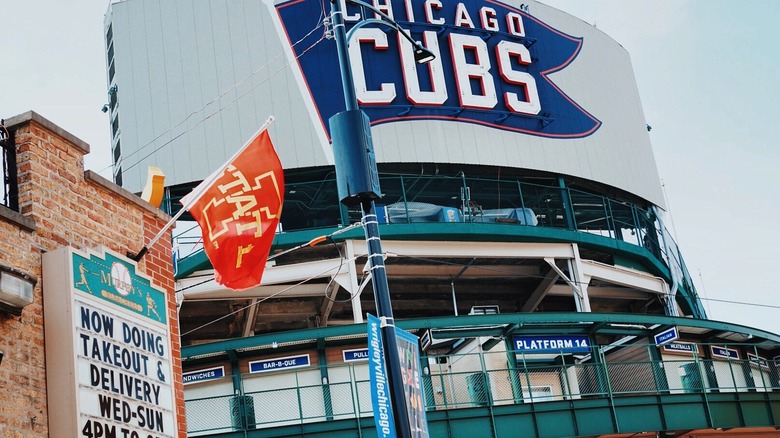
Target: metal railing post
{"type": "Point", "coordinates": [760, 371]}
{"type": "Point", "coordinates": [488, 392]}
{"type": "Point", "coordinates": [565, 371]}
{"type": "Point", "coordinates": [355, 394]}
{"type": "Point", "coordinates": [615, 228]}
{"type": "Point", "coordinates": [530, 394]}
{"type": "Point", "coordinates": [703, 387]}
{"type": "Point", "coordinates": [527, 380]}
{"type": "Point", "coordinates": [325, 379]}
{"type": "Point", "coordinates": [522, 199]}
{"type": "Point", "coordinates": [610, 395]}
{"type": "Point", "coordinates": [568, 207]}
{"type": "Point", "coordinates": [514, 377]}
{"type": "Point", "coordinates": [406, 202]}
{"type": "Point", "coordinates": [657, 365]}
{"type": "Point", "coordinates": [298, 393]}
{"type": "Point", "coordinates": [733, 377]}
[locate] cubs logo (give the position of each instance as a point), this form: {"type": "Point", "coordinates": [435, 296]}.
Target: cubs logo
{"type": "Point", "coordinates": [492, 66]}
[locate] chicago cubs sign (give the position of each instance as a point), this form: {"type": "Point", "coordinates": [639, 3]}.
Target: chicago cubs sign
{"type": "Point", "coordinates": [491, 68]}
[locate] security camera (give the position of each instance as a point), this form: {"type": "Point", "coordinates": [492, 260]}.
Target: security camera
{"type": "Point", "coordinates": [1, 357]}
{"type": "Point", "coordinates": [105, 108]}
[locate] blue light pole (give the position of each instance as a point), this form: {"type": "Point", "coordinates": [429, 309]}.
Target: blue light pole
{"type": "Point", "coordinates": [358, 183]}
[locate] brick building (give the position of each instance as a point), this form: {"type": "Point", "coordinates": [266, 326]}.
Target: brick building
{"type": "Point", "coordinates": [49, 201]}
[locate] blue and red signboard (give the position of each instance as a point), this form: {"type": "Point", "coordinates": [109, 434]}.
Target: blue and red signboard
{"type": "Point", "coordinates": [551, 344]}
{"type": "Point", "coordinates": [279, 363]}
{"type": "Point", "coordinates": [724, 352]}
{"type": "Point", "coordinates": [666, 336]}
{"type": "Point", "coordinates": [203, 375]}
{"type": "Point", "coordinates": [681, 347]}
{"type": "Point", "coordinates": [358, 354]}
{"type": "Point", "coordinates": [492, 66]}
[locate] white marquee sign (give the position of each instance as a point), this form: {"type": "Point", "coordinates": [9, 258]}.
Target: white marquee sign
{"type": "Point", "coordinates": [108, 350]}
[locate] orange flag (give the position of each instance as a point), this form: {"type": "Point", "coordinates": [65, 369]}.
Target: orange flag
{"type": "Point", "coordinates": [238, 209]}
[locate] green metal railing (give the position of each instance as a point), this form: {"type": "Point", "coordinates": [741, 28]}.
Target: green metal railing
{"type": "Point", "coordinates": [315, 204]}
{"type": "Point", "coordinates": [477, 380]}
{"type": "Point", "coordinates": [459, 199]}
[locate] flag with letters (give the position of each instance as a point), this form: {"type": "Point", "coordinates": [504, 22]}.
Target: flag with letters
{"type": "Point", "coordinates": [238, 209]}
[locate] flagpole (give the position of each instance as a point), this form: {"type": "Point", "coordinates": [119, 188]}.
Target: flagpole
{"type": "Point", "coordinates": [196, 193]}
{"type": "Point", "coordinates": [145, 249]}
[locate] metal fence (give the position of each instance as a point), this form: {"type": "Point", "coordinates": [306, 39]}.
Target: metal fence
{"type": "Point", "coordinates": [421, 199]}
{"type": "Point", "coordinates": [473, 380]}
{"type": "Point", "coordinates": [461, 199]}
{"type": "Point", "coordinates": [213, 414]}
{"type": "Point", "coordinates": [9, 193]}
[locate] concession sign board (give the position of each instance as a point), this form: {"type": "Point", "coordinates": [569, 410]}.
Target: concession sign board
{"type": "Point", "coordinates": [108, 349]}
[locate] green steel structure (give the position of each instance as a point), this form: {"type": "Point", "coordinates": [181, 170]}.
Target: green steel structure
{"type": "Point", "coordinates": [476, 381]}
{"type": "Point", "coordinates": [564, 212]}
{"type": "Point", "coordinates": [606, 395]}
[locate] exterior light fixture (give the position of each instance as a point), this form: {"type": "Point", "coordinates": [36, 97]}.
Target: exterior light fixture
{"type": "Point", "coordinates": [423, 55]}
{"type": "Point", "coordinates": [16, 290]}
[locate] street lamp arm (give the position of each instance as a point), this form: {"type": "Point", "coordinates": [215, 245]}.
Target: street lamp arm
{"type": "Point", "coordinates": [376, 11]}
{"type": "Point", "coordinates": [394, 25]}
{"type": "Point", "coordinates": [421, 54]}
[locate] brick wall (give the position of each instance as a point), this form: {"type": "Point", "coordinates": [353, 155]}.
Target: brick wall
{"type": "Point", "coordinates": [59, 205]}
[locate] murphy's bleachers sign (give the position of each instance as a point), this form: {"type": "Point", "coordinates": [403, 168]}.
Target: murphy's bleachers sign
{"type": "Point", "coordinates": [108, 350]}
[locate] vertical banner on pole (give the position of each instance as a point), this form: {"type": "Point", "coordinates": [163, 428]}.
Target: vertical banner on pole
{"type": "Point", "coordinates": [380, 391]}
{"type": "Point", "coordinates": [409, 353]}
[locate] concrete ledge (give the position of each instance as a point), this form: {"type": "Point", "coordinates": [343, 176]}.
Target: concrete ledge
{"type": "Point", "coordinates": [15, 218]}
{"type": "Point", "coordinates": [98, 180]}
{"type": "Point", "coordinates": [32, 116]}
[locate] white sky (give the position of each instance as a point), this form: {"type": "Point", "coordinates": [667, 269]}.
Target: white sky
{"type": "Point", "coordinates": [707, 75]}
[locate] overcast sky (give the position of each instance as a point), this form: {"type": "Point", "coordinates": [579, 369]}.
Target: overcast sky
{"type": "Point", "coordinates": [707, 75]}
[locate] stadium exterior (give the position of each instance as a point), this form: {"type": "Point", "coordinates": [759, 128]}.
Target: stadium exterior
{"type": "Point", "coordinates": [521, 220]}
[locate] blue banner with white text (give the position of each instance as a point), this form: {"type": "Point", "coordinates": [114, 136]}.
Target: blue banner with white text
{"type": "Point", "coordinates": [552, 344]}
{"type": "Point", "coordinates": [380, 390]}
